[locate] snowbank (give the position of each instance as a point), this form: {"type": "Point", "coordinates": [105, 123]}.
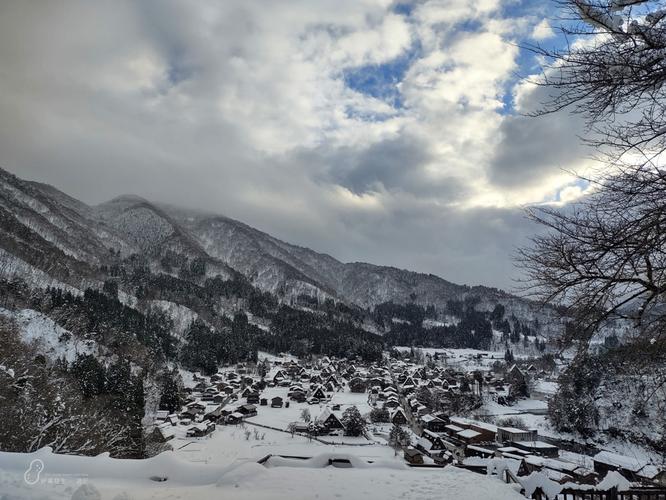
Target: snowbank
{"type": "Point", "coordinates": [167, 476]}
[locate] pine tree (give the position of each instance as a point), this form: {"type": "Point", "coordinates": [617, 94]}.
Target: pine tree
{"type": "Point", "coordinates": [171, 395]}
{"type": "Point", "coordinates": [398, 438]}
{"type": "Point", "coordinates": [353, 421]}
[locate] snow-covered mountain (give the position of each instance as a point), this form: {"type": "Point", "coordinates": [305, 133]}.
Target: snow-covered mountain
{"type": "Point", "coordinates": [47, 231]}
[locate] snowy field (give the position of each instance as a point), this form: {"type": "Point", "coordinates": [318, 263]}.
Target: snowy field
{"type": "Point", "coordinates": [465, 359]}
{"type": "Point", "coordinates": [84, 478]}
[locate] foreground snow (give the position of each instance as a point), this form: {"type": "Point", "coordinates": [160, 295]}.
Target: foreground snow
{"type": "Point", "coordinates": [91, 478]}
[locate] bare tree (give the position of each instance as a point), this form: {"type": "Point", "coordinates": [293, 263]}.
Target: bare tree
{"type": "Point", "coordinates": [603, 259]}
{"type": "Point", "coordinates": [612, 72]}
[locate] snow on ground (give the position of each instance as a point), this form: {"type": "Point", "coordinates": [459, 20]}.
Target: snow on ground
{"type": "Point", "coordinates": [546, 387]}
{"type": "Point", "coordinates": [465, 359]}
{"type": "Point", "coordinates": [230, 443]}
{"type": "Point", "coordinates": [51, 340]}
{"type": "Point", "coordinates": [91, 478]}
{"type": "Point", "coordinates": [182, 316]}
{"type": "Point", "coordinates": [272, 358]}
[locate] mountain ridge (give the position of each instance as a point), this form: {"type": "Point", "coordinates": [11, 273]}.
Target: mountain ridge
{"type": "Point", "coordinates": [130, 225]}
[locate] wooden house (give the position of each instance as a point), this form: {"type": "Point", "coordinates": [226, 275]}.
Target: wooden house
{"type": "Point", "coordinates": [200, 430]}
{"type": "Point", "coordinates": [329, 420]}
{"type": "Point", "coordinates": [247, 410]}
{"type": "Point", "coordinates": [398, 417]}
{"type": "Point", "coordinates": [511, 434]}
{"type": "Point", "coordinates": [432, 423]}
{"type": "Point", "coordinates": [629, 467]}
{"type": "Point", "coordinates": [234, 418]}
{"type": "Point", "coordinates": [560, 471]}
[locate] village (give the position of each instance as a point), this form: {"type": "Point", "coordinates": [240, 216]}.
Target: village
{"type": "Point", "coordinates": [457, 408]}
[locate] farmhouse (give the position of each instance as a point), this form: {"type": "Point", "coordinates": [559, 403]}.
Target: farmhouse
{"type": "Point", "coordinates": [432, 423]}
{"type": "Point", "coordinates": [329, 420]}
{"type": "Point", "coordinates": [398, 417]}
{"type": "Point", "coordinates": [200, 430]}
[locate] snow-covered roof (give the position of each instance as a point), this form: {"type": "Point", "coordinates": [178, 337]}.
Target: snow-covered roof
{"type": "Point", "coordinates": [424, 444]}
{"type": "Point", "coordinates": [468, 433]}
{"type": "Point", "coordinates": [621, 461]}
{"type": "Point", "coordinates": [513, 430]}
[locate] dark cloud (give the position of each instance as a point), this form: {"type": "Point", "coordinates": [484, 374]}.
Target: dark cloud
{"type": "Point", "coordinates": [397, 164]}
{"type": "Point", "coordinates": [534, 147]}
{"type": "Point", "coordinates": [240, 108]}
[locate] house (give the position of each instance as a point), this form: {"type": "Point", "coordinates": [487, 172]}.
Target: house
{"type": "Point", "coordinates": [252, 398]}
{"type": "Point", "coordinates": [279, 376]}
{"type": "Point", "coordinates": [560, 471]}
{"type": "Point", "coordinates": [428, 447]}
{"type": "Point", "coordinates": [469, 436]}
{"type": "Point", "coordinates": [479, 451]}
{"type": "Point", "coordinates": [452, 429]}
{"type": "Point", "coordinates": [653, 474]}
{"type": "Point", "coordinates": [511, 434]}
{"type": "Point", "coordinates": [235, 418]}
{"type": "Point", "coordinates": [432, 423]}
{"type": "Point", "coordinates": [295, 389]}
{"type": "Point", "coordinates": [329, 420]}
{"type": "Point", "coordinates": [212, 412]}
{"type": "Point", "coordinates": [247, 410]}
{"type": "Point", "coordinates": [163, 433]}
{"type": "Point", "coordinates": [302, 427]}
{"type": "Point", "coordinates": [317, 392]}
{"type": "Point", "coordinates": [200, 430]}
{"type": "Point", "coordinates": [413, 456]}
{"type": "Point", "coordinates": [518, 381]}
{"type": "Point", "coordinates": [195, 407]}
{"type": "Point", "coordinates": [263, 402]}
{"type": "Point", "coordinates": [488, 431]}
{"type": "Point", "coordinates": [430, 443]}
{"type": "Point", "coordinates": [392, 403]}
{"type": "Point", "coordinates": [537, 448]}
{"type": "Point", "coordinates": [276, 402]}
{"type": "Point", "coordinates": [629, 467]}
{"type": "Point", "coordinates": [398, 417]}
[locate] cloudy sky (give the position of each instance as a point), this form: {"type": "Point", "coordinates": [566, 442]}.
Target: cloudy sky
{"type": "Point", "coordinates": [374, 130]}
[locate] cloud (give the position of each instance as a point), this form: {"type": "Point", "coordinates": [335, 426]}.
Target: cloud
{"type": "Point", "coordinates": [543, 31]}
{"type": "Point", "coordinates": [370, 130]}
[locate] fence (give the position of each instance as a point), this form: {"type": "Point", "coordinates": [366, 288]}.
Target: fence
{"type": "Point", "coordinates": [612, 494]}
{"type": "Point", "coordinates": [310, 436]}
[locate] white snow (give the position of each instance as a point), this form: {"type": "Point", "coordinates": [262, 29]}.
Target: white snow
{"type": "Point", "coordinates": [51, 340]}
{"type": "Point", "coordinates": [281, 480]}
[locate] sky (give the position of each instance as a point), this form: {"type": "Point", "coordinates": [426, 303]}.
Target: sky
{"type": "Point", "coordinates": [391, 132]}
